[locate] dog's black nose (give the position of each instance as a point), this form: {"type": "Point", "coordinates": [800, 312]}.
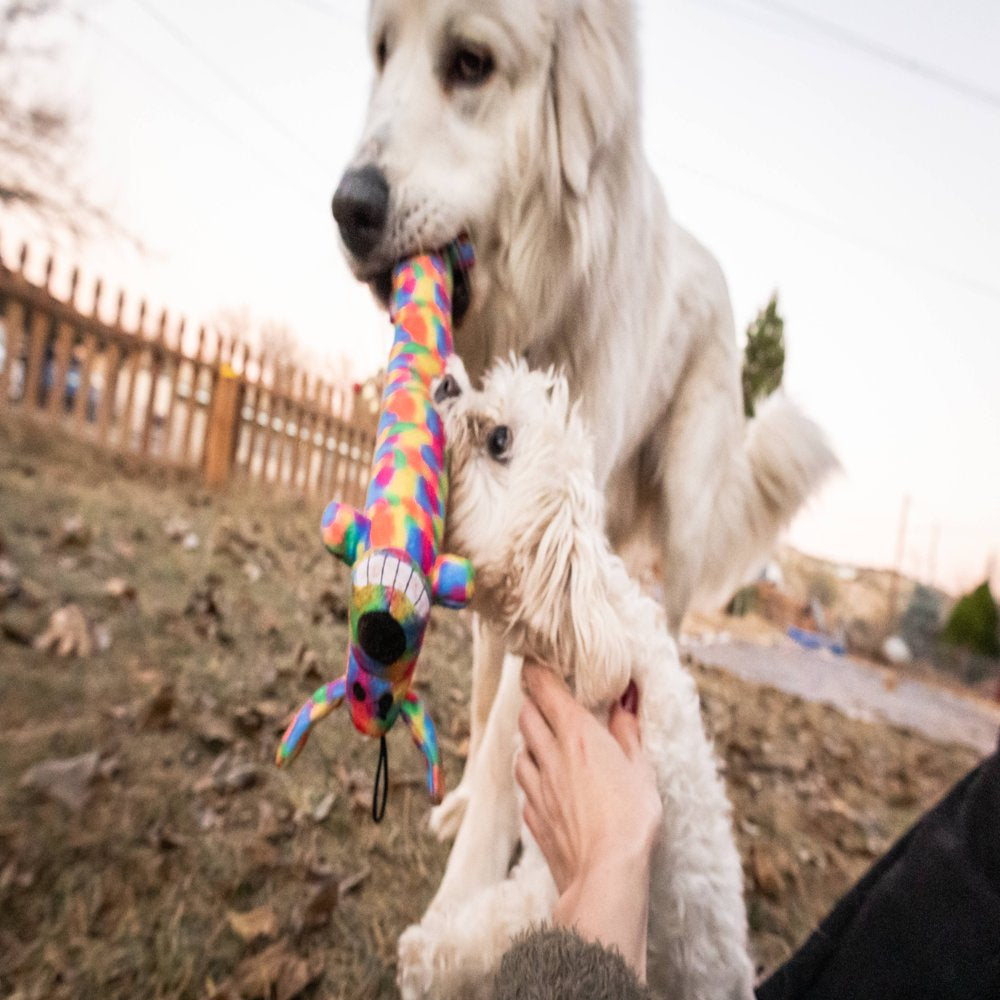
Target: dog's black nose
{"type": "Point", "coordinates": [361, 207]}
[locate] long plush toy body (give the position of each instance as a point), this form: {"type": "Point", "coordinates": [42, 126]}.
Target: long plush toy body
{"type": "Point", "coordinates": [393, 546]}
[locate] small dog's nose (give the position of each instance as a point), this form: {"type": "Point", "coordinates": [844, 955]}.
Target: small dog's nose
{"type": "Point", "coordinates": [361, 207]}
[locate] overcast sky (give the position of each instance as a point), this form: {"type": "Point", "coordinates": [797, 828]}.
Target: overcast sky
{"type": "Point", "coordinates": [786, 133]}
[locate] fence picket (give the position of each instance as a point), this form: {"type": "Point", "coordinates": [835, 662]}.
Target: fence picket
{"type": "Point", "coordinates": [168, 419]}
{"type": "Point", "coordinates": [124, 390]}
{"type": "Point", "coordinates": [14, 325]}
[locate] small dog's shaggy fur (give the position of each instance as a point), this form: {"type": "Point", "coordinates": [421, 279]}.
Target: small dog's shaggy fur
{"type": "Point", "coordinates": [526, 509]}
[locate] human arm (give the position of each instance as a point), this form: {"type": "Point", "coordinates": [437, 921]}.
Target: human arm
{"type": "Point", "coordinates": [592, 806]}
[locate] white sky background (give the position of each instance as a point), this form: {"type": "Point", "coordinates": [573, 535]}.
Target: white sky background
{"type": "Point", "coordinates": [866, 195]}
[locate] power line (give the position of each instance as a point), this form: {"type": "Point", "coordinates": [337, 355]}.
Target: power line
{"type": "Point", "coordinates": [848, 38]}
{"type": "Point", "coordinates": [824, 225]}
{"type": "Point", "coordinates": [199, 108]}
{"type": "Point", "coordinates": [327, 9]}
{"type": "Point", "coordinates": [234, 85]}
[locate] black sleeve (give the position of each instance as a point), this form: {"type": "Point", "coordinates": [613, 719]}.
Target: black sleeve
{"type": "Point", "coordinates": [924, 923]}
{"type": "Point", "coordinates": [555, 964]}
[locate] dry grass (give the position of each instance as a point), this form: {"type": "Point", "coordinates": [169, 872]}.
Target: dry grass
{"type": "Point", "coordinates": [132, 893]}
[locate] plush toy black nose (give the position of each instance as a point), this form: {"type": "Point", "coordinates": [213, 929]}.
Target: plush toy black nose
{"type": "Point", "coordinates": [381, 636]}
{"type": "Point", "coordinates": [361, 207]}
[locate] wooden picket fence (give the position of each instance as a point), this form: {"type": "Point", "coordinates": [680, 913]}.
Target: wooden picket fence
{"type": "Point", "coordinates": [192, 401]}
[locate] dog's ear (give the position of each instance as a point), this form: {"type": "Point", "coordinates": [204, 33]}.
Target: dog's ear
{"type": "Point", "coordinates": [594, 82]}
{"type": "Point", "coordinates": [566, 596]}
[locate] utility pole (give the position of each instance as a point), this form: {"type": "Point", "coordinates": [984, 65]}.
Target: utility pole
{"type": "Point", "coordinates": [932, 554]}
{"type": "Point", "coordinates": [904, 514]}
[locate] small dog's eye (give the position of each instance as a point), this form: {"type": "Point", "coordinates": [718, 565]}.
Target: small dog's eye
{"type": "Point", "coordinates": [498, 443]}
{"type": "Point", "coordinates": [447, 388]}
{"type": "Point", "coordinates": [469, 66]}
{"type": "Point", "coordinates": [381, 53]}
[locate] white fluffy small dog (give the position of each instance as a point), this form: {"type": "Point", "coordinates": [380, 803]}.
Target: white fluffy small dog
{"type": "Point", "coordinates": [526, 509]}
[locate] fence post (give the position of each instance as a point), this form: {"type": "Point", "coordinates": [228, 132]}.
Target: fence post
{"type": "Point", "coordinates": [223, 424]}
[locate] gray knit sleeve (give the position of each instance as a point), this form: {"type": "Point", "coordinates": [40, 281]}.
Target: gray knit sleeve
{"type": "Point", "coordinates": [556, 964]}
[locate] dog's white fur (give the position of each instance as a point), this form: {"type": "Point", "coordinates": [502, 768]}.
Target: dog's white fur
{"type": "Point", "coordinates": [533, 524]}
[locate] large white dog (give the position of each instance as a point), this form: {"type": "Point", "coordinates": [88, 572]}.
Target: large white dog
{"type": "Point", "coordinates": [517, 122]}
{"type": "Point", "coordinates": [526, 509]}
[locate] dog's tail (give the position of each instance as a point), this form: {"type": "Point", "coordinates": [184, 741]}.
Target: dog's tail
{"type": "Point", "coordinates": [786, 458]}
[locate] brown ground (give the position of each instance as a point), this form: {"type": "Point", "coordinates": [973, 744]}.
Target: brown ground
{"type": "Point", "coordinates": [176, 861]}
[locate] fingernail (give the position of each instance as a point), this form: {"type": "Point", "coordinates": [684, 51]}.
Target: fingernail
{"type": "Point", "coordinates": [630, 699]}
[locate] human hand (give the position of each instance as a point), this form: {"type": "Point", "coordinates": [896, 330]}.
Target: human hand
{"type": "Point", "coordinates": [592, 805]}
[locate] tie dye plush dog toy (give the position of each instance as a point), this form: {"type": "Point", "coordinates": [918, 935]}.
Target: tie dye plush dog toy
{"type": "Point", "coordinates": [393, 546]}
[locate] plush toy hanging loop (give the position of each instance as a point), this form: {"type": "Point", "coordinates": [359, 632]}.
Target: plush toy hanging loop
{"type": "Point", "coordinates": [393, 546]}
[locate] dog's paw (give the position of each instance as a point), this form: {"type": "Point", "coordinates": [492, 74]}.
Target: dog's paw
{"type": "Point", "coordinates": [415, 965]}
{"type": "Point", "coordinates": [447, 818]}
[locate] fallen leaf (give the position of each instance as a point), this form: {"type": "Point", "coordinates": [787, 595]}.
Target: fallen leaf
{"type": "Point", "coordinates": [75, 531]}
{"type": "Point", "coordinates": [120, 589]}
{"type": "Point", "coordinates": [322, 902]}
{"type": "Point", "coordinates": [261, 922]}
{"type": "Point", "coordinates": [68, 633]}
{"type": "Point", "coordinates": [248, 719]}
{"type": "Point", "coordinates": [213, 732]}
{"type": "Point", "coordinates": [351, 882]}
{"type": "Point", "coordinates": [124, 550]}
{"type": "Point", "coordinates": [235, 777]}
{"type": "Point", "coordinates": [19, 626]}
{"type": "Point", "coordinates": [157, 713]}
{"type": "Point", "coordinates": [67, 781]}
{"type": "Point", "coordinates": [102, 637]}
{"type": "Point", "coordinates": [176, 528]}
{"type": "Point", "coordinates": [276, 972]}
{"type": "Point", "coordinates": [766, 876]}
{"type": "Point", "coordinates": [322, 809]}
{"type": "Point", "coordinates": [332, 604]}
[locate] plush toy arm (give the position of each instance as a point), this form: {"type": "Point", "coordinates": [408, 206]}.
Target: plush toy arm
{"type": "Point", "coordinates": [424, 735]}
{"type": "Point", "coordinates": [345, 531]}
{"type": "Point", "coordinates": [319, 706]}
{"type": "Point", "coordinates": [452, 581]}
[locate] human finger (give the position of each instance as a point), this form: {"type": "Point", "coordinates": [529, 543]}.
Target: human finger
{"type": "Point", "coordinates": [539, 740]}
{"type": "Point", "coordinates": [624, 727]}
{"type": "Point", "coordinates": [528, 777]}
{"type": "Point", "coordinates": [549, 693]}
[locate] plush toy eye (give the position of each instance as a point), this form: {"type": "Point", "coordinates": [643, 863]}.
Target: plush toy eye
{"type": "Point", "coordinates": [469, 66]}
{"type": "Point", "coordinates": [498, 443]}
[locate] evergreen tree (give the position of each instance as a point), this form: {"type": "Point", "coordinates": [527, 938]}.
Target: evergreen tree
{"type": "Point", "coordinates": [974, 623]}
{"type": "Point", "coordinates": [764, 356]}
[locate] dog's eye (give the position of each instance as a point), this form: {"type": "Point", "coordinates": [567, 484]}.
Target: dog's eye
{"type": "Point", "coordinates": [469, 66]}
{"type": "Point", "coordinates": [498, 443]}
{"type": "Point", "coordinates": [447, 388]}
{"type": "Point", "coordinates": [381, 53]}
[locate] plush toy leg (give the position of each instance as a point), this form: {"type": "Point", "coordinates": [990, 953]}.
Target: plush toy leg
{"type": "Point", "coordinates": [451, 581]}
{"type": "Point", "coordinates": [319, 706]}
{"type": "Point", "coordinates": [424, 735]}
{"type": "Point", "coordinates": [345, 531]}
